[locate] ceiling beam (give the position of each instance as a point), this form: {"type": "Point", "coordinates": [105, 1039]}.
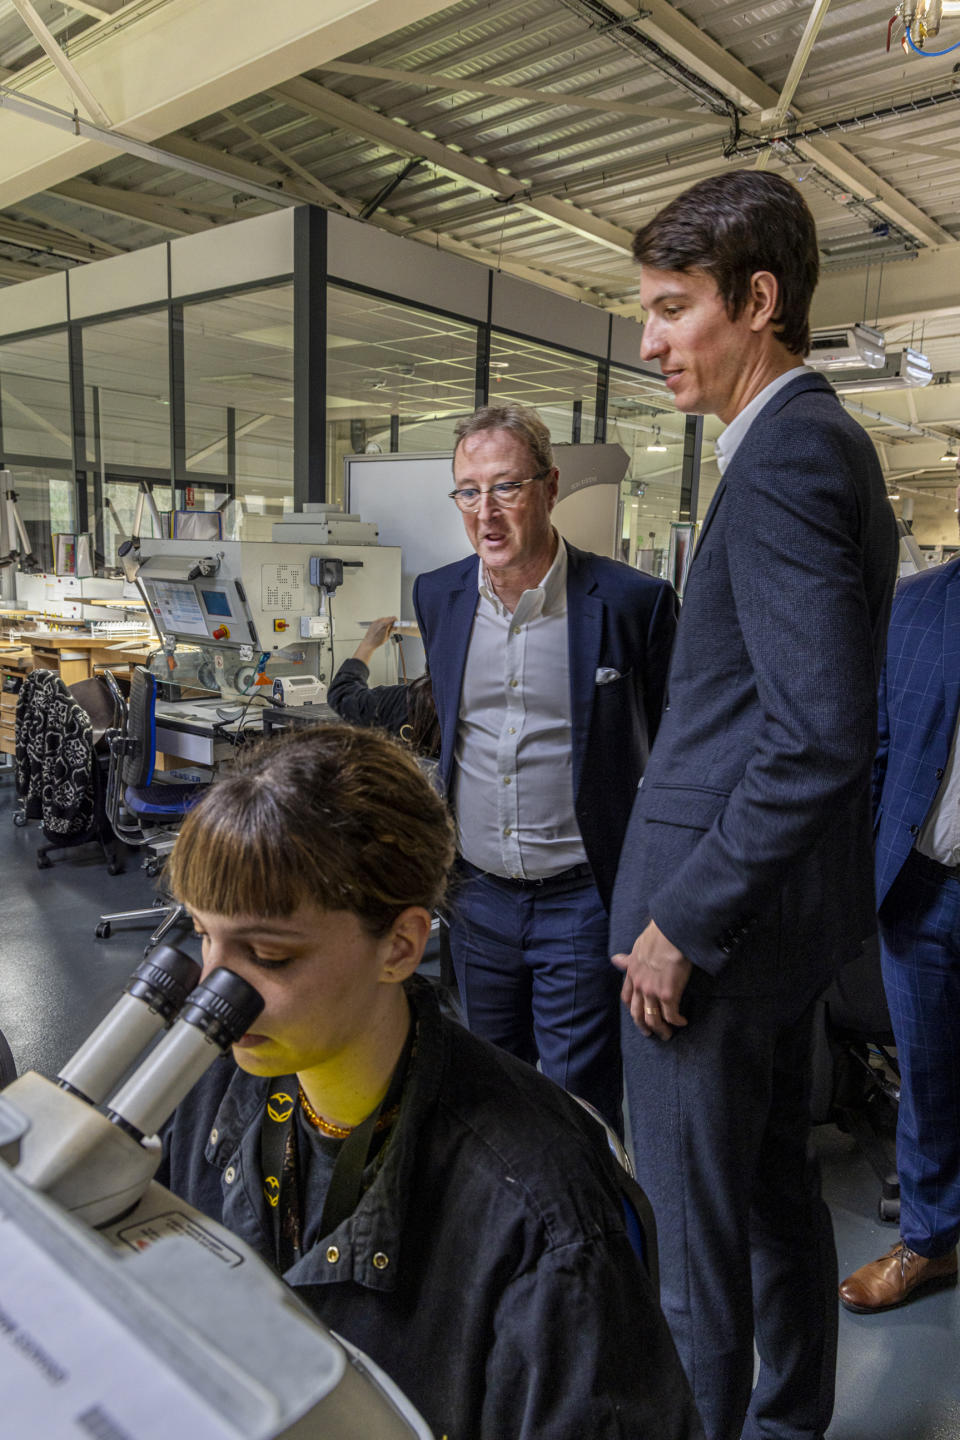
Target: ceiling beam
{"type": "Point", "coordinates": [479, 256]}
{"type": "Point", "coordinates": [405, 140]}
{"type": "Point", "coordinates": [99, 12]}
{"type": "Point", "coordinates": [286, 186]}
{"type": "Point", "coordinates": [811, 30]}
{"type": "Point", "coordinates": [132, 205]}
{"type": "Point", "coordinates": [158, 67]}
{"type": "Point", "coordinates": [47, 239]}
{"type": "Point", "coordinates": [32, 212]}
{"type": "Point", "coordinates": [470, 85]}
{"type": "Point", "coordinates": [322, 194]}
{"type": "Point", "coordinates": [75, 83]}
{"type": "Point", "coordinates": [15, 271]}
{"type": "Point", "coordinates": [680, 38]}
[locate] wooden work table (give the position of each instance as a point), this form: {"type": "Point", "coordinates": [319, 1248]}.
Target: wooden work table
{"type": "Point", "coordinates": [75, 656]}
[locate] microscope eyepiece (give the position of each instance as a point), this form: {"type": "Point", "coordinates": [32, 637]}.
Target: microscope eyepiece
{"type": "Point", "coordinates": [216, 1014]}
{"type": "Point", "coordinates": [223, 1007]}
{"type": "Point", "coordinates": [153, 996]}
{"type": "Point", "coordinates": [164, 980]}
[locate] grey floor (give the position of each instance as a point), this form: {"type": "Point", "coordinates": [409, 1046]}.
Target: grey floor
{"type": "Point", "coordinates": [899, 1373]}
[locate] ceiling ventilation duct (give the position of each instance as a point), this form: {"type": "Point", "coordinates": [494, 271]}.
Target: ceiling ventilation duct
{"type": "Point", "coordinates": [902, 370]}
{"type": "Point", "coordinates": [847, 347]}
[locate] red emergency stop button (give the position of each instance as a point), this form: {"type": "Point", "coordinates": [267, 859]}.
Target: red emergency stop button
{"type": "Point", "coordinates": [221, 633]}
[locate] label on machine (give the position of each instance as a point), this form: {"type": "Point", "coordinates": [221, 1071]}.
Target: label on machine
{"type": "Point", "coordinates": [69, 1369]}
{"type": "Point", "coordinates": [281, 587]}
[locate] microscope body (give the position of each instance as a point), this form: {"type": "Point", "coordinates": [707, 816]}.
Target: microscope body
{"type": "Point", "coordinates": [127, 1313]}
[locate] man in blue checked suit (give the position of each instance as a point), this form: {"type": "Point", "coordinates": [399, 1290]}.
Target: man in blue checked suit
{"type": "Point", "coordinates": [746, 877]}
{"type": "Point", "coordinates": [917, 802]}
{"type": "Point", "coordinates": [548, 668]}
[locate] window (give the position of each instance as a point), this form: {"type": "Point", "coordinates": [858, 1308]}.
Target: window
{"type": "Point", "coordinates": [238, 381]}
{"type": "Point", "coordinates": [388, 359]}
{"type": "Point", "coordinates": [553, 382]}
{"type": "Point", "coordinates": [35, 398]}
{"type": "Point", "coordinates": [126, 376]}
{"type": "Point", "coordinates": [643, 419]}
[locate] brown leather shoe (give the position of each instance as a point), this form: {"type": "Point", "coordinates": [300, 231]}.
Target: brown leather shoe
{"type": "Point", "coordinates": [891, 1280]}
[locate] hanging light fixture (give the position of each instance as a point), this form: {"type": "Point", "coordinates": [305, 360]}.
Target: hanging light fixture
{"type": "Point", "coordinates": [655, 443]}
{"type": "Point", "coordinates": [950, 455]}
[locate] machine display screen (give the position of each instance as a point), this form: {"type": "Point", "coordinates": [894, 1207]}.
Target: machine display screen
{"type": "Point", "coordinates": [216, 602]}
{"type": "Point", "coordinates": [176, 607]}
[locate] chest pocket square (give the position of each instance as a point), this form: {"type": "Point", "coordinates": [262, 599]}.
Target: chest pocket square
{"type": "Point", "coordinates": [606, 676]}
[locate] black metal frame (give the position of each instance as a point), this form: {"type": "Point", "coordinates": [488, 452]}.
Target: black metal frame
{"type": "Point", "coordinates": [311, 283]}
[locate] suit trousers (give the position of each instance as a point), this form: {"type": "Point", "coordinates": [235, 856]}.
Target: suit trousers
{"type": "Point", "coordinates": [534, 974]}
{"type": "Point", "coordinates": [720, 1119]}
{"type": "Point", "coordinates": [920, 935]}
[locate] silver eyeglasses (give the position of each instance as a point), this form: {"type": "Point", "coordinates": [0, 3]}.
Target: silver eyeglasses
{"type": "Point", "coordinates": [505, 492]}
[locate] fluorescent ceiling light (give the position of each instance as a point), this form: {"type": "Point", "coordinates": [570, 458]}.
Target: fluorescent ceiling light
{"type": "Point", "coordinates": [655, 443]}
{"type": "Point", "coordinates": [902, 370]}
{"type": "Point", "coordinates": [950, 457]}
{"type": "Point", "coordinates": [846, 347]}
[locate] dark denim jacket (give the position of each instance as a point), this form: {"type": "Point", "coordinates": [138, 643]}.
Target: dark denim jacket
{"type": "Point", "coordinates": [486, 1269]}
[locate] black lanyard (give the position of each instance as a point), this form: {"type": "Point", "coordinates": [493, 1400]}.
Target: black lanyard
{"type": "Point", "coordinates": [278, 1161]}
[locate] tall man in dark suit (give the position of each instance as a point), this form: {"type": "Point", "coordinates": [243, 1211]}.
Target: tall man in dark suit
{"type": "Point", "coordinates": [548, 668]}
{"type": "Point", "coordinates": [917, 800]}
{"type": "Point", "coordinates": [746, 874]}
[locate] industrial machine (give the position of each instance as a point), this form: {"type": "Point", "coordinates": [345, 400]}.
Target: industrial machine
{"type": "Point", "coordinates": [233, 616]}
{"type": "Point", "coordinates": [126, 1314]}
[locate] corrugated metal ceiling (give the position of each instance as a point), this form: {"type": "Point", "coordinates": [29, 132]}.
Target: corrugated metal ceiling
{"type": "Point", "coordinates": [573, 161]}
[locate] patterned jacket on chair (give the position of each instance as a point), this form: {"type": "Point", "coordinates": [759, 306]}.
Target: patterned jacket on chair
{"type": "Point", "coordinates": [54, 757]}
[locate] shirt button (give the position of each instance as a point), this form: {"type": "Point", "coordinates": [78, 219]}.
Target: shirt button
{"type": "Point", "coordinates": [214, 1136]}
{"type": "Point", "coordinates": [513, 730]}
{"type": "Point", "coordinates": [516, 629]}
{"type": "Point", "coordinates": [333, 1254]}
{"type": "Point", "coordinates": [380, 1261]}
{"type": "Point", "coordinates": [506, 779]}
{"type": "Point", "coordinates": [508, 831]}
{"type": "Point", "coordinates": [514, 684]}
{"type": "Point", "coordinates": [914, 829]}
{"type": "Point", "coordinates": [939, 774]}
{"type": "Point", "coordinates": [230, 1174]}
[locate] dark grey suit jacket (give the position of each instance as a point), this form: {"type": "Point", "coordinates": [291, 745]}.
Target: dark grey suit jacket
{"type": "Point", "coordinates": [750, 839]}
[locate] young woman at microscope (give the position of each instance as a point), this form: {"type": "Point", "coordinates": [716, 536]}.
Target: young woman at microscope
{"type": "Point", "coordinates": [438, 1203]}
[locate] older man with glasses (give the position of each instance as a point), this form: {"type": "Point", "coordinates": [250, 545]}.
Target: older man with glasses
{"type": "Point", "coordinates": [549, 669]}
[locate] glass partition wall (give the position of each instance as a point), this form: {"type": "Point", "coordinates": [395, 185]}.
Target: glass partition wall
{"type": "Point", "coordinates": [199, 397]}
{"type": "Point", "coordinates": [36, 439]}
{"type": "Point", "coordinates": [398, 376]}
{"type": "Point", "coordinates": [238, 407]}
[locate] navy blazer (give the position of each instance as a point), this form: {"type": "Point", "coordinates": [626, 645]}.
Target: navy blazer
{"type": "Point", "coordinates": [919, 706]}
{"type": "Point", "coordinates": [618, 619]}
{"type": "Point", "coordinates": [750, 845]}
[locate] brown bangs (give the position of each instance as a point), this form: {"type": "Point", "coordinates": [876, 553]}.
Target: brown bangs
{"type": "Point", "coordinates": [233, 869]}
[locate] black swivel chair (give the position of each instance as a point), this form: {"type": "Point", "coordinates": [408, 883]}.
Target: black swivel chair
{"type": "Point", "coordinates": [143, 811]}
{"type": "Point", "coordinates": [856, 1078]}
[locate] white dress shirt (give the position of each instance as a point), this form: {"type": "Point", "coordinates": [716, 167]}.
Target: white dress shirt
{"type": "Point", "coordinates": [513, 782]}
{"type": "Point", "coordinates": [939, 837]}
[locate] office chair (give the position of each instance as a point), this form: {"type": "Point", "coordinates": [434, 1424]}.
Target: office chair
{"type": "Point", "coordinates": [143, 813]}
{"type": "Point", "coordinates": [856, 1078]}
{"type": "Point", "coordinates": [638, 1214]}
